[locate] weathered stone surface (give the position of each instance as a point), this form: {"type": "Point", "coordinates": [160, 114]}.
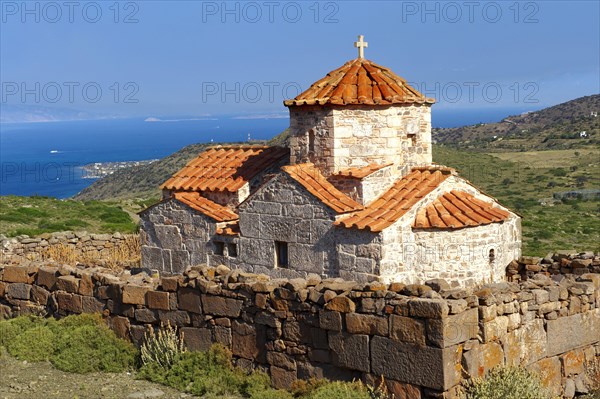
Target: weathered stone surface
{"type": "Point", "coordinates": [220, 306]}
{"type": "Point", "coordinates": [46, 277]}
{"type": "Point", "coordinates": [482, 358]}
{"type": "Point", "coordinates": [407, 329]}
{"type": "Point", "coordinates": [549, 372]}
{"type": "Point", "coordinates": [428, 308]}
{"type": "Point", "coordinates": [403, 362]}
{"type": "Point", "coordinates": [189, 299]}
{"type": "Point", "coordinates": [350, 351]}
{"type": "Point", "coordinates": [341, 304]}
{"type": "Point", "coordinates": [525, 345]}
{"type": "Point", "coordinates": [281, 360]}
{"type": "Point", "coordinates": [15, 274]}
{"type": "Point", "coordinates": [170, 284]}
{"type": "Point", "coordinates": [197, 339]}
{"type": "Point", "coordinates": [454, 329]}
{"type": "Point", "coordinates": [366, 324]}
{"type": "Point", "coordinates": [134, 294]}
{"type": "Point", "coordinates": [247, 343]}
{"type": "Point", "coordinates": [68, 284]}
{"type": "Point", "coordinates": [566, 333]}
{"type": "Point", "coordinates": [573, 362]}
{"type": "Point", "coordinates": [91, 305]}
{"type": "Point", "coordinates": [158, 300]}
{"type": "Point", "coordinates": [174, 318]}
{"type": "Point", "coordinates": [19, 291]}
{"type": "Point", "coordinates": [494, 329]}
{"type": "Point", "coordinates": [69, 302]}
{"type": "Point", "coordinates": [330, 320]}
{"type": "Point", "coordinates": [403, 391]}
{"type": "Point", "coordinates": [282, 378]}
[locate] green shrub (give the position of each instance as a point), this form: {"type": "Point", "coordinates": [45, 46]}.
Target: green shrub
{"type": "Point", "coordinates": [211, 375]}
{"type": "Point", "coordinates": [34, 344]}
{"type": "Point", "coordinates": [78, 343]}
{"type": "Point", "coordinates": [507, 383]}
{"type": "Point", "coordinates": [92, 348]}
{"type": "Point", "coordinates": [339, 390]}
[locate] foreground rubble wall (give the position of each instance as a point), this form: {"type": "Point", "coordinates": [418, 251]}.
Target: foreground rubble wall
{"type": "Point", "coordinates": [424, 339]}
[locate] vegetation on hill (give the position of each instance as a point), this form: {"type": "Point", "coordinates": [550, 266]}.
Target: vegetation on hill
{"type": "Point", "coordinates": [37, 215]}
{"type": "Point", "coordinates": [559, 127]}
{"type": "Point", "coordinates": [526, 182]}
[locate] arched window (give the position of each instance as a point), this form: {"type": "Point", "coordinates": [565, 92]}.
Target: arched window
{"type": "Point", "coordinates": [492, 255]}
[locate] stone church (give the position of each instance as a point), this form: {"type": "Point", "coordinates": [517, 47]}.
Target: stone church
{"type": "Point", "coordinates": [355, 195]}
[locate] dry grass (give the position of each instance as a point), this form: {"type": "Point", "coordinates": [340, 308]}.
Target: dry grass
{"type": "Point", "coordinates": [127, 253]}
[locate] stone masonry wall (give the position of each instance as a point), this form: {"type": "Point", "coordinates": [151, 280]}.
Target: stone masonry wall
{"type": "Point", "coordinates": [424, 339]}
{"type": "Point", "coordinates": [355, 136]}
{"type": "Point", "coordinates": [83, 244]}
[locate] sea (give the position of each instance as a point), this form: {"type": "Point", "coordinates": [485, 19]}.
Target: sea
{"type": "Point", "coordinates": [45, 158]}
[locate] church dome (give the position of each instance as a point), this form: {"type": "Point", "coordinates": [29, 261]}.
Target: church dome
{"type": "Point", "coordinates": [360, 82]}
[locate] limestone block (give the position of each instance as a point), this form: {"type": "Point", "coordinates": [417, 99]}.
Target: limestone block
{"type": "Point", "coordinates": [404, 362]}
{"type": "Point", "coordinates": [525, 345]}
{"type": "Point", "coordinates": [454, 329]}
{"type": "Point", "coordinates": [573, 362]}
{"type": "Point", "coordinates": [219, 306]}
{"type": "Point", "coordinates": [567, 333]}
{"type": "Point", "coordinates": [549, 370]}
{"type": "Point", "coordinates": [494, 329]}
{"type": "Point", "coordinates": [350, 350]}
{"type": "Point", "coordinates": [357, 323]}
{"type": "Point", "coordinates": [407, 329]}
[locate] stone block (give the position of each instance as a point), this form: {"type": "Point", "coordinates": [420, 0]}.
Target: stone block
{"type": "Point", "coordinates": [189, 299]}
{"type": "Point", "coordinates": [494, 329]}
{"type": "Point", "coordinates": [69, 303]}
{"type": "Point", "coordinates": [401, 390]}
{"type": "Point", "coordinates": [152, 258]}
{"type": "Point", "coordinates": [16, 274]}
{"type": "Point", "coordinates": [223, 336]}
{"type": "Point", "coordinates": [146, 316]}
{"type": "Point", "coordinates": [46, 277]}
{"type": "Point", "coordinates": [428, 308]}
{"type": "Point", "coordinates": [357, 323]}
{"type": "Point", "coordinates": [120, 325]}
{"type": "Point", "coordinates": [86, 285]}
{"type": "Point", "coordinates": [282, 378]}
{"type": "Point", "coordinates": [219, 306]}
{"type": "Point", "coordinates": [197, 339]}
{"type": "Point", "coordinates": [19, 291]}
{"type": "Point", "coordinates": [91, 305]}
{"type": "Point", "coordinates": [134, 294]}
{"type": "Point", "coordinates": [158, 300]}
{"type": "Point", "coordinates": [341, 304]}
{"type": "Point", "coordinates": [482, 358]}
{"type": "Point", "coordinates": [282, 360]}
{"type": "Point", "coordinates": [407, 329]}
{"type": "Point", "coordinates": [454, 329]}
{"type": "Point", "coordinates": [549, 371]}
{"type": "Point", "coordinates": [247, 340]}
{"type": "Point", "coordinates": [350, 351]}
{"type": "Point", "coordinates": [525, 345]}
{"type": "Point", "coordinates": [68, 284]}
{"type": "Point", "coordinates": [567, 333]}
{"type": "Point", "coordinates": [573, 362]}
{"type": "Point", "coordinates": [170, 284]}
{"type": "Point", "coordinates": [330, 320]}
{"type": "Point", "coordinates": [174, 317]}
{"type": "Point", "coordinates": [405, 363]}
{"type": "Point", "coordinates": [39, 295]}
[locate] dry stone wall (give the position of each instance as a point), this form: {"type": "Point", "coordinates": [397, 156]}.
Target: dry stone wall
{"type": "Point", "coordinates": [83, 244]}
{"type": "Point", "coordinates": [424, 339]}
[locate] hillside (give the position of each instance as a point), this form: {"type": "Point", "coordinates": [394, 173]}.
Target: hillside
{"type": "Point", "coordinates": [140, 181]}
{"type": "Point", "coordinates": [553, 128]}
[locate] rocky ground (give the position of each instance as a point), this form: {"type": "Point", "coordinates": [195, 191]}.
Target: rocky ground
{"type": "Point", "coordinates": [20, 379]}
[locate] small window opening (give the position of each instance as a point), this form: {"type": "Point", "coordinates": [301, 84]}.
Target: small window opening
{"type": "Point", "coordinates": [232, 250]}
{"type": "Point", "coordinates": [311, 142]}
{"type": "Point", "coordinates": [281, 254]}
{"type": "Point", "coordinates": [219, 248]}
{"type": "Point", "coordinates": [413, 138]}
{"type": "Point", "coordinates": [492, 255]}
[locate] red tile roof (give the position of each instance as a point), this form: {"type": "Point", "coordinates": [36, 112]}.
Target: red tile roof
{"type": "Point", "coordinates": [360, 81]}
{"type": "Point", "coordinates": [397, 201]}
{"type": "Point", "coordinates": [225, 168]}
{"type": "Point", "coordinates": [310, 177]}
{"type": "Point", "coordinates": [457, 209]}
{"type": "Point", "coordinates": [231, 229]}
{"type": "Point", "coordinates": [360, 173]}
{"type": "Point", "coordinates": [211, 209]}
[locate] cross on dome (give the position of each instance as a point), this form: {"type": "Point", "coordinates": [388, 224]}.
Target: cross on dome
{"type": "Point", "coordinates": [361, 45]}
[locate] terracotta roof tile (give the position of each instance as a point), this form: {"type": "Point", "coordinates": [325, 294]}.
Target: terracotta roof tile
{"type": "Point", "coordinates": [225, 168]}
{"type": "Point", "coordinates": [457, 209]}
{"type": "Point", "coordinates": [230, 229]}
{"type": "Point", "coordinates": [360, 173]}
{"type": "Point", "coordinates": [397, 201]}
{"type": "Point", "coordinates": [211, 209]}
{"type": "Point", "coordinates": [360, 81]}
{"type": "Point", "coordinates": [310, 177]}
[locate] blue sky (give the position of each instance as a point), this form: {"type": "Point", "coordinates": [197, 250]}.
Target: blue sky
{"type": "Point", "coordinates": [158, 58]}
